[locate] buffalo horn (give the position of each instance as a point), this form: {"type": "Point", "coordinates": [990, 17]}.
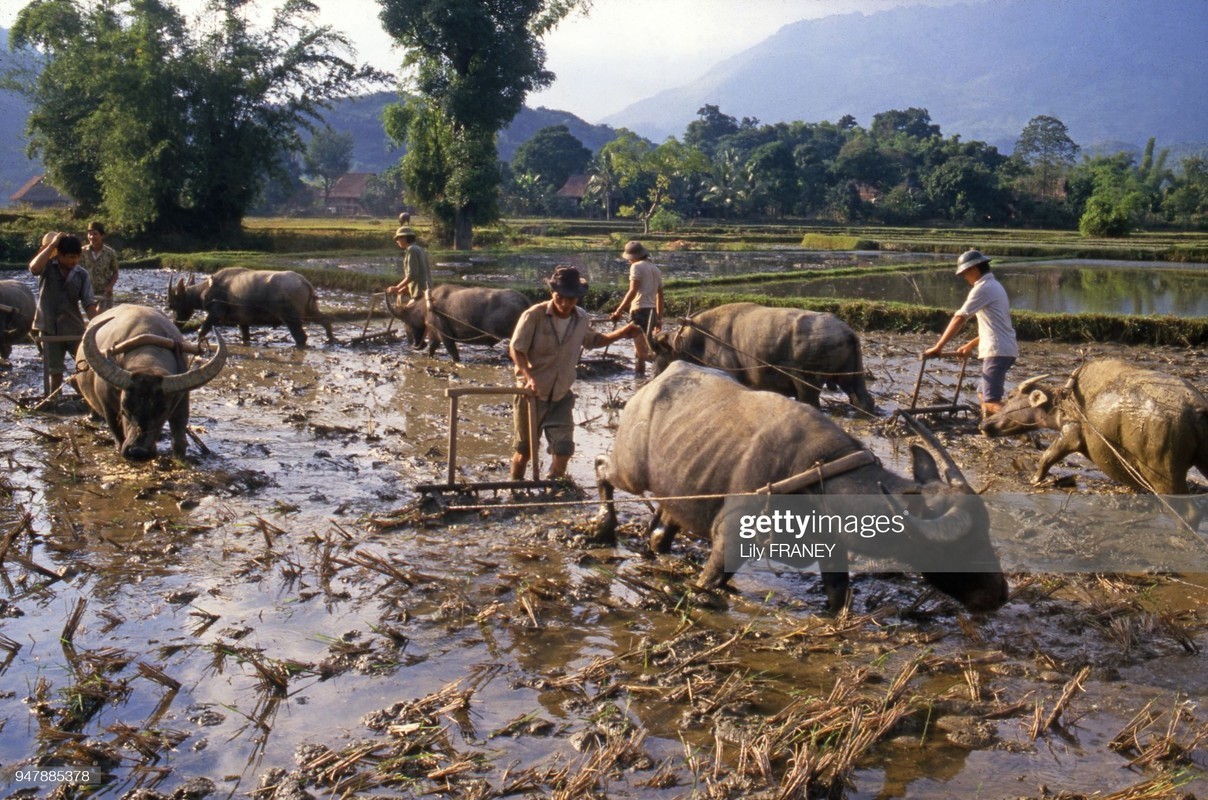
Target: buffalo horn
{"type": "Point", "coordinates": [951, 526]}
{"type": "Point", "coordinates": [1030, 383]}
{"type": "Point", "coordinates": [199, 376]}
{"type": "Point", "coordinates": [952, 473]}
{"type": "Point", "coordinates": [106, 369]}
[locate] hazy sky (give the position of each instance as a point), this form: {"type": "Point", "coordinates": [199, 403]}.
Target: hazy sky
{"type": "Point", "coordinates": [621, 52]}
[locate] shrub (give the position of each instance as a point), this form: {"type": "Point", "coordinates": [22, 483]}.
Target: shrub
{"type": "Point", "coordinates": [665, 219]}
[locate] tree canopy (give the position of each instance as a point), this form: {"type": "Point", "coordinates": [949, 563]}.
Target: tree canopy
{"type": "Point", "coordinates": [1045, 145]}
{"type": "Point", "coordinates": [552, 155]}
{"type": "Point", "coordinates": [328, 156]}
{"type": "Point", "coordinates": [473, 62]}
{"type": "Point", "coordinates": [162, 125]}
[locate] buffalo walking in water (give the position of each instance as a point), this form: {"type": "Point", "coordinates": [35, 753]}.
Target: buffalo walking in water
{"type": "Point", "coordinates": [132, 371]}
{"type": "Point", "coordinates": [1142, 427]}
{"type": "Point", "coordinates": [786, 350]}
{"type": "Point", "coordinates": [453, 315]}
{"type": "Point", "coordinates": [17, 307]}
{"type": "Point", "coordinates": [244, 297]}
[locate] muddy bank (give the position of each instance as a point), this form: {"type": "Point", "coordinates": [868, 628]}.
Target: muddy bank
{"type": "Point", "coordinates": [276, 616]}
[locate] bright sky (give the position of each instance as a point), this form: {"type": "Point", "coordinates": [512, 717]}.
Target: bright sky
{"type": "Point", "coordinates": [621, 52]}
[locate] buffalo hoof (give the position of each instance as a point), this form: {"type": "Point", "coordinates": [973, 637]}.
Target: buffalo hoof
{"type": "Point", "coordinates": [712, 578]}
{"type": "Point", "coordinates": [604, 530]}
{"type": "Point", "coordinates": [660, 542]}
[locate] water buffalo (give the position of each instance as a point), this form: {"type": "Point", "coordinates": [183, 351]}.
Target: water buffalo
{"type": "Point", "coordinates": [244, 297]}
{"type": "Point", "coordinates": [132, 372]}
{"type": "Point", "coordinates": [1143, 428]}
{"type": "Point", "coordinates": [461, 314]}
{"type": "Point", "coordinates": [17, 306]}
{"type": "Point", "coordinates": [694, 431]}
{"type": "Point", "coordinates": [784, 350]}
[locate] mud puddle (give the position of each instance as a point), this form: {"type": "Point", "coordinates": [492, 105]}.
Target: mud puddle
{"type": "Point", "coordinates": [277, 615]}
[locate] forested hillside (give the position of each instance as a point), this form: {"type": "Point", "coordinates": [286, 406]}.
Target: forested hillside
{"type": "Point", "coordinates": [1117, 70]}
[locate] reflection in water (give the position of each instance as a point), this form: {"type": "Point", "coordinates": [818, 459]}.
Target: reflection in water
{"type": "Point", "coordinates": [1065, 288]}
{"type": "Point", "coordinates": [607, 268]}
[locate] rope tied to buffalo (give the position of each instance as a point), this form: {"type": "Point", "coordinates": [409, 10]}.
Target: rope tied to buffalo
{"type": "Point", "coordinates": [817, 473]}
{"type": "Point", "coordinates": [789, 372]}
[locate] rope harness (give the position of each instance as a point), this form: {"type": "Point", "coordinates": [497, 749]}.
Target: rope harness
{"type": "Point", "coordinates": [818, 473]}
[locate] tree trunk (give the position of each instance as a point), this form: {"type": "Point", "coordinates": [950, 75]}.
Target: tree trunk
{"type": "Point", "coordinates": [463, 231]}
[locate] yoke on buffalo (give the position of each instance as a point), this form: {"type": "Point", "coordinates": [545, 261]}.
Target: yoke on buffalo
{"type": "Point", "coordinates": [694, 432]}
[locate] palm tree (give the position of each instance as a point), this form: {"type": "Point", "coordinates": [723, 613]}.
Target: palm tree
{"type": "Point", "coordinates": [729, 186]}
{"type": "Point", "coordinates": [601, 181]}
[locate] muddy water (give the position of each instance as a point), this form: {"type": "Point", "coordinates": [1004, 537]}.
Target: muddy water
{"type": "Point", "coordinates": [287, 604]}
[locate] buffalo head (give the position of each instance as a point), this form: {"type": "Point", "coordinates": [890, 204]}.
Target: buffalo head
{"type": "Point", "coordinates": [181, 300]}
{"type": "Point", "coordinates": [1028, 407]}
{"type": "Point", "coordinates": [149, 397]}
{"type": "Point", "coordinates": [414, 316]}
{"type": "Point", "coordinates": [946, 516]}
{"type": "Point", "coordinates": [663, 347]}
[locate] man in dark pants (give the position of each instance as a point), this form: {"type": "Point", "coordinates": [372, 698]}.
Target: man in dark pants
{"type": "Point", "coordinates": [64, 288]}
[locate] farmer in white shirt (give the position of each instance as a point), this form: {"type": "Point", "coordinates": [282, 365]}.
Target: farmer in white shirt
{"type": "Point", "coordinates": [995, 340]}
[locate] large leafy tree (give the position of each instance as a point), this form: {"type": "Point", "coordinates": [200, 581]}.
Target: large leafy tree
{"type": "Point", "coordinates": [328, 156]}
{"type": "Point", "coordinates": [161, 125]}
{"type": "Point", "coordinates": [553, 155]}
{"type": "Point", "coordinates": [707, 131]}
{"type": "Point", "coordinates": [472, 63]}
{"type": "Point", "coordinates": [657, 179]}
{"type": "Point", "coordinates": [1045, 146]}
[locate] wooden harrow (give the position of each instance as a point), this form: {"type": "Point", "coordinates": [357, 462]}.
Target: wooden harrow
{"type": "Point", "coordinates": [387, 335]}
{"type": "Point", "coordinates": [947, 408]}
{"type": "Point", "coordinates": [464, 487]}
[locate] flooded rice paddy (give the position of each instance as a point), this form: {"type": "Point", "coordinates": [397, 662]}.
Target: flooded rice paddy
{"type": "Point", "coordinates": [278, 616]}
{"type": "Point", "coordinates": [1060, 287]}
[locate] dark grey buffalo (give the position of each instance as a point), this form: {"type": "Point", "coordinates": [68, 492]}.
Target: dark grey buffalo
{"type": "Point", "coordinates": [17, 306]}
{"type": "Point", "coordinates": [455, 315]}
{"type": "Point", "coordinates": [1143, 428]}
{"type": "Point", "coordinates": [245, 297]}
{"type": "Point", "coordinates": [133, 372]}
{"type": "Point", "coordinates": [786, 350]}
{"type": "Point", "coordinates": [694, 431]}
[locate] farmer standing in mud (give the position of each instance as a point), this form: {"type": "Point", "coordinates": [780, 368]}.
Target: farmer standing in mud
{"type": "Point", "coordinates": [644, 301]}
{"type": "Point", "coordinates": [545, 348]}
{"type": "Point", "coordinates": [417, 274]}
{"type": "Point", "coordinates": [995, 339]}
{"type": "Point", "coordinates": [64, 287]}
{"type": "Point", "coordinates": [101, 262]}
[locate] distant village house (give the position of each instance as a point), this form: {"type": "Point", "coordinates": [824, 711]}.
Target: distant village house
{"type": "Point", "coordinates": [344, 200]}
{"type": "Point", "coordinates": [37, 194]}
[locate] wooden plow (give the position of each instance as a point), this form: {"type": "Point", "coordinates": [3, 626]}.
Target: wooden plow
{"type": "Point", "coordinates": [465, 487]}
{"type": "Point", "coordinates": [387, 335]}
{"type": "Point", "coordinates": [946, 408]}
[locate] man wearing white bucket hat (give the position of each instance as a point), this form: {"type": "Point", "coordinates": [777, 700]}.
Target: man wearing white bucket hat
{"type": "Point", "coordinates": [995, 339]}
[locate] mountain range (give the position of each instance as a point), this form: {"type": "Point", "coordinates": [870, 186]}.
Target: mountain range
{"type": "Point", "coordinates": [1116, 72]}
{"type": "Point", "coordinates": [1112, 70]}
